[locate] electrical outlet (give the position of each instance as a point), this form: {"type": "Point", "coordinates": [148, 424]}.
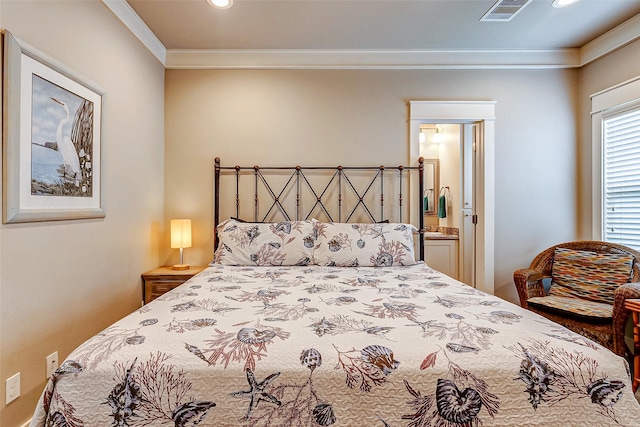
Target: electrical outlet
{"type": "Point", "coordinates": [13, 388]}
{"type": "Point", "coordinates": [52, 363]}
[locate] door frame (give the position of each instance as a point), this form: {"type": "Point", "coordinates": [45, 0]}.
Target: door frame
{"type": "Point", "coordinates": [463, 112]}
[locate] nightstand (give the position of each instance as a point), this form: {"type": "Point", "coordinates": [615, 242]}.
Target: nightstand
{"type": "Point", "coordinates": [634, 306]}
{"type": "Point", "coordinates": [162, 279]}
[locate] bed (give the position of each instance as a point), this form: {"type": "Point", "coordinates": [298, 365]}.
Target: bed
{"type": "Point", "coordinates": [333, 323]}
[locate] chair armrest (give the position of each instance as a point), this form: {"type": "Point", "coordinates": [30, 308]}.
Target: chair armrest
{"type": "Point", "coordinates": [621, 314]}
{"type": "Point", "coordinates": [528, 283]}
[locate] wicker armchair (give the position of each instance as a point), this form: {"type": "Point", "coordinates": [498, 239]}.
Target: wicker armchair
{"type": "Point", "coordinates": [609, 333]}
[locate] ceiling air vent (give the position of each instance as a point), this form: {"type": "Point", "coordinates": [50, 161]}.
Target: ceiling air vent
{"type": "Point", "coordinates": [504, 10]}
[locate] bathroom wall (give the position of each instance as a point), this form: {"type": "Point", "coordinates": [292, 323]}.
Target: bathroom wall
{"type": "Point", "coordinates": [448, 153]}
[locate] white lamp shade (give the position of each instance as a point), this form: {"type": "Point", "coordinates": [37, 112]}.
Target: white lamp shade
{"type": "Point", "coordinates": [180, 233]}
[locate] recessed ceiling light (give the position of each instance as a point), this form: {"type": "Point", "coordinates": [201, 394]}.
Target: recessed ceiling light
{"type": "Point", "coordinates": [563, 3]}
{"type": "Point", "coordinates": [222, 4]}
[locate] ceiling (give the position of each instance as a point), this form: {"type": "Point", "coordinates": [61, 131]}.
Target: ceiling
{"type": "Point", "coordinates": [370, 25]}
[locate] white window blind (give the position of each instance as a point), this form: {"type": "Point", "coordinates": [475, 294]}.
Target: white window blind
{"type": "Point", "coordinates": [621, 178]}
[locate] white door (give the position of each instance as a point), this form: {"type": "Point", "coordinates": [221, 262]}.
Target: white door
{"type": "Point", "coordinates": [467, 267]}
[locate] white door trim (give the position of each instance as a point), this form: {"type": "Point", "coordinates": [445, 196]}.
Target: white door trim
{"type": "Point", "coordinates": [482, 112]}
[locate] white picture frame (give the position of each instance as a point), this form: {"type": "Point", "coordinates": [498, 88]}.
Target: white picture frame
{"type": "Point", "coordinates": [51, 139]}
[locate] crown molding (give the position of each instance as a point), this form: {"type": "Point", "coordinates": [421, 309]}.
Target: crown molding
{"type": "Point", "coordinates": [613, 39]}
{"type": "Point", "coordinates": [136, 25]}
{"type": "Point", "coordinates": [371, 59]}
{"type": "Point", "coordinates": [619, 36]}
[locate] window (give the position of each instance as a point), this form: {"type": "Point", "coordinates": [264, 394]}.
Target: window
{"type": "Point", "coordinates": [621, 178]}
{"type": "Point", "coordinates": [615, 167]}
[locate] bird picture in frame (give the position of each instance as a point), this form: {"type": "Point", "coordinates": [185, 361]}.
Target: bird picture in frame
{"type": "Point", "coordinates": [61, 141]}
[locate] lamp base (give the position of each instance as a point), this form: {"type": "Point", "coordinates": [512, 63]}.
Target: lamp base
{"type": "Point", "coordinates": [180, 267]}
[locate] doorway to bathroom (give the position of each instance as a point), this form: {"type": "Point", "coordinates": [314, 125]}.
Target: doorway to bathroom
{"type": "Point", "coordinates": [463, 148]}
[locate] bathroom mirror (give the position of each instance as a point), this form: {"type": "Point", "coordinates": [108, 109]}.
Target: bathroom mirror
{"type": "Point", "coordinates": [431, 186]}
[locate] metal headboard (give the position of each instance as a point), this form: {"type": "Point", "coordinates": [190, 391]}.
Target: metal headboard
{"type": "Point", "coordinates": [296, 180]}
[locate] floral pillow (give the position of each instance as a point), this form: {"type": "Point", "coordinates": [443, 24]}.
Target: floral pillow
{"type": "Point", "coordinates": [265, 244]}
{"type": "Point", "coordinates": [362, 245]}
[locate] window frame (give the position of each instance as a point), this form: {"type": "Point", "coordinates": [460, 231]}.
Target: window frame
{"type": "Point", "coordinates": [609, 102]}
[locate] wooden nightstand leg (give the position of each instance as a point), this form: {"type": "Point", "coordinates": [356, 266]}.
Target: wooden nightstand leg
{"type": "Point", "coordinates": [636, 351]}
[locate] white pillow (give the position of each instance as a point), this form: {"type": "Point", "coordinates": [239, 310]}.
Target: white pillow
{"type": "Point", "coordinates": [265, 244]}
{"type": "Point", "coordinates": [362, 245]}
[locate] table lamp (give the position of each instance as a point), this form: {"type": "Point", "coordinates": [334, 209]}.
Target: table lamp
{"type": "Point", "coordinates": [180, 238]}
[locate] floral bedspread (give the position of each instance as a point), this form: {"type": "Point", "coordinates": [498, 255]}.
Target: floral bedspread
{"type": "Point", "coordinates": [306, 346]}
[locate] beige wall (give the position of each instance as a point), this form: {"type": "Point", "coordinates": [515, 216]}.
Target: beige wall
{"type": "Point", "coordinates": [61, 282]}
{"type": "Point", "coordinates": [615, 68]}
{"type": "Point", "coordinates": [313, 117]}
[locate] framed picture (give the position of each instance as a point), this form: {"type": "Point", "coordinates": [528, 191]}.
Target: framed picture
{"type": "Point", "coordinates": [51, 139]}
